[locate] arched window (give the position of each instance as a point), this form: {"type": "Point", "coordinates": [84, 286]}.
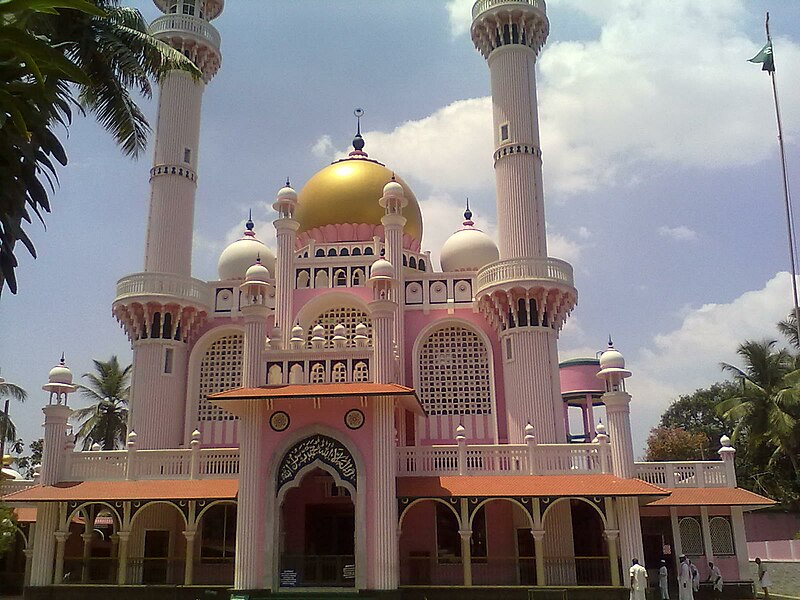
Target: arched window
{"type": "Point", "coordinates": [454, 373]}
{"type": "Point", "coordinates": [691, 536]}
{"type": "Point", "coordinates": [339, 373]}
{"type": "Point", "coordinates": [319, 252]}
{"type": "Point", "coordinates": [341, 278]}
{"type": "Point", "coordinates": [368, 251]}
{"type": "Point", "coordinates": [421, 264]}
{"type": "Point", "coordinates": [275, 375]}
{"type": "Point", "coordinates": [358, 278]}
{"type": "Point", "coordinates": [296, 374]}
{"type": "Point", "coordinates": [331, 251]}
{"type": "Point", "coordinates": [321, 278]}
{"type": "Point", "coordinates": [412, 262]}
{"type": "Point", "coordinates": [347, 316]}
{"type": "Point", "coordinates": [356, 251]}
{"type": "Point", "coordinates": [317, 373]}
{"type": "Point", "coordinates": [721, 536]}
{"type": "Point", "coordinates": [360, 372]}
{"type": "Point", "coordinates": [344, 252]}
{"type": "Point", "coordinates": [220, 370]}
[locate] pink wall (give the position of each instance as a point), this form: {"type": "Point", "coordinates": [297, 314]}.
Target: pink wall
{"type": "Point", "coordinates": [767, 526]}
{"type": "Point", "coordinates": [417, 320]}
{"type": "Point", "coordinates": [580, 378]}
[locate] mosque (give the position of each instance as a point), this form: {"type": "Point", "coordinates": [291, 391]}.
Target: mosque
{"type": "Point", "coordinates": [340, 414]}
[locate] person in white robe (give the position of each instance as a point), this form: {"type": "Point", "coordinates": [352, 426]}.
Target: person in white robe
{"type": "Point", "coordinates": [638, 580]}
{"type": "Point", "coordinates": [685, 591]}
{"type": "Point", "coordinates": [663, 580]}
{"type": "Point", "coordinates": [715, 577]}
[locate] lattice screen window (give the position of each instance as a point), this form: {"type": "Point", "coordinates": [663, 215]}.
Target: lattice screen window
{"type": "Point", "coordinates": [317, 373]}
{"type": "Point", "coordinates": [691, 536]}
{"type": "Point", "coordinates": [721, 536]}
{"type": "Point", "coordinates": [339, 373]}
{"type": "Point", "coordinates": [220, 370]}
{"type": "Point", "coordinates": [360, 372]}
{"type": "Point", "coordinates": [347, 316]}
{"type": "Point", "coordinates": [454, 373]}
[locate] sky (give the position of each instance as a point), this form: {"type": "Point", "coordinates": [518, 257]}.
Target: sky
{"type": "Point", "coordinates": [661, 173]}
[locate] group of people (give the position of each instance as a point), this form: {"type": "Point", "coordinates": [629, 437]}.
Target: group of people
{"type": "Point", "coordinates": [688, 579]}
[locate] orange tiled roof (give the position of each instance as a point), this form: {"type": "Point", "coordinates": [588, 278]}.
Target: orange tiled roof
{"type": "Point", "coordinates": [25, 514]}
{"type": "Point", "coordinates": [231, 400]}
{"type": "Point", "coordinates": [712, 497]}
{"type": "Point", "coordinates": [156, 489]}
{"type": "Point", "coordinates": [521, 485]}
{"type": "Point", "coordinates": [315, 390]}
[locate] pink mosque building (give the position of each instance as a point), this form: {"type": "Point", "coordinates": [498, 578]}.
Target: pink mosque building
{"type": "Point", "coordinates": [339, 414]}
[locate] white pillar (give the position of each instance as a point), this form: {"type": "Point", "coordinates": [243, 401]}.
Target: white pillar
{"type": "Point", "coordinates": [286, 233]}
{"type": "Point", "coordinates": [122, 557]}
{"type": "Point", "coordinates": [630, 530]}
{"type": "Point", "coordinates": [533, 399]}
{"type": "Point", "coordinates": [188, 566]}
{"type": "Point", "coordinates": [465, 531]}
{"type": "Point", "coordinates": [253, 366]}
{"type": "Point", "coordinates": [382, 313]}
{"type": "Point", "coordinates": [44, 544]}
{"type": "Point", "coordinates": [384, 553]}
{"type": "Point", "coordinates": [706, 531]}
{"type": "Point", "coordinates": [252, 504]}
{"type": "Point", "coordinates": [619, 430]}
{"type": "Point", "coordinates": [393, 230]}
{"type": "Point", "coordinates": [55, 430]}
{"type": "Point", "coordinates": [677, 546]}
{"type": "Point", "coordinates": [61, 541]}
{"type": "Point", "coordinates": [740, 543]}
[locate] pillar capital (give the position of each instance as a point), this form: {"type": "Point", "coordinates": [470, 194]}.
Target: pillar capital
{"type": "Point", "coordinates": [61, 536]}
{"type": "Point", "coordinates": [538, 534]}
{"type": "Point", "coordinates": [611, 534]}
{"type": "Point", "coordinates": [465, 533]}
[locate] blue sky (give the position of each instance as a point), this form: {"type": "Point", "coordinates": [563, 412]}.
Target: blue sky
{"type": "Point", "coordinates": [660, 165]}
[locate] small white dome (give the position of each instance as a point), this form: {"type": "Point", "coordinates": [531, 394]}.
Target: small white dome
{"type": "Point", "coordinates": [297, 332]}
{"type": "Point", "coordinates": [60, 374]}
{"type": "Point", "coordinates": [382, 268]}
{"type": "Point", "coordinates": [9, 473]}
{"type": "Point", "coordinates": [468, 249]}
{"type": "Point", "coordinates": [242, 254]}
{"type": "Point", "coordinates": [287, 193]}
{"type": "Point", "coordinates": [393, 189]}
{"type": "Point", "coordinates": [612, 359]}
{"type": "Point", "coordinates": [257, 272]}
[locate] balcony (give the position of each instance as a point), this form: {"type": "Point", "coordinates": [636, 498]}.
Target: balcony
{"type": "Point", "coordinates": [484, 5]}
{"type": "Point", "coordinates": [551, 270]}
{"type": "Point", "coordinates": [175, 25]}
{"type": "Point", "coordinates": [695, 474]}
{"type": "Point", "coordinates": [164, 285]}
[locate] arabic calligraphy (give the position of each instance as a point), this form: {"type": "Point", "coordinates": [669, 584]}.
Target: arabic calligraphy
{"type": "Point", "coordinates": [317, 447]}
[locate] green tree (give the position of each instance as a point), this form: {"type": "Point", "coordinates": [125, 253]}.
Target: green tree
{"type": "Point", "coordinates": [26, 464]}
{"type": "Point", "coordinates": [55, 55]}
{"type": "Point", "coordinates": [9, 391]}
{"type": "Point", "coordinates": [105, 421]}
{"type": "Point", "coordinates": [674, 443]}
{"type": "Point", "coordinates": [766, 413]}
{"type": "Point", "coordinates": [8, 528]}
{"type": "Point", "coordinates": [788, 328]}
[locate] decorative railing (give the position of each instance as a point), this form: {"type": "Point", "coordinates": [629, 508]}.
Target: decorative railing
{"type": "Point", "coordinates": [186, 24]}
{"type": "Point", "coordinates": [9, 486]}
{"type": "Point", "coordinates": [516, 269]}
{"type": "Point", "coordinates": [200, 463]}
{"type": "Point", "coordinates": [483, 5]}
{"type": "Point", "coordinates": [505, 459]}
{"type": "Point", "coordinates": [696, 474]}
{"type": "Point", "coordinates": [164, 284]}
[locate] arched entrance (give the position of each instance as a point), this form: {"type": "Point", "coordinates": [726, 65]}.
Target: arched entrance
{"type": "Point", "coordinates": [320, 515]}
{"type": "Point", "coordinates": [318, 533]}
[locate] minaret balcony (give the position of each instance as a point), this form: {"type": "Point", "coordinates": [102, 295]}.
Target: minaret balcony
{"type": "Point", "coordinates": [164, 287]}
{"type": "Point", "coordinates": [185, 27]}
{"type": "Point", "coordinates": [514, 271]}
{"type": "Point", "coordinates": [483, 5]}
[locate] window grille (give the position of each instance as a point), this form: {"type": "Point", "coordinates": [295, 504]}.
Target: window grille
{"type": "Point", "coordinates": [360, 372]}
{"type": "Point", "coordinates": [454, 373]}
{"type": "Point", "coordinates": [721, 536]}
{"type": "Point", "coordinates": [318, 373]}
{"type": "Point", "coordinates": [339, 373]}
{"type": "Point", "coordinates": [691, 536]}
{"type": "Point", "coordinates": [220, 370]}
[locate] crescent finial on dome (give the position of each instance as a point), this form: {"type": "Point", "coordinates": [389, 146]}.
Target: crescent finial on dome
{"type": "Point", "coordinates": [468, 215]}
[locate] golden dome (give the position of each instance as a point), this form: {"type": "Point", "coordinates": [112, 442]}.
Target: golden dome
{"type": "Point", "coordinates": [348, 191]}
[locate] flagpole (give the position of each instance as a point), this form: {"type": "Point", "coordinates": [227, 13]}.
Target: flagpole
{"type": "Point", "coordinates": [786, 197]}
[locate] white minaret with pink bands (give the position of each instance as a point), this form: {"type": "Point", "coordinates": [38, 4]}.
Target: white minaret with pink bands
{"type": "Point", "coordinates": [525, 295]}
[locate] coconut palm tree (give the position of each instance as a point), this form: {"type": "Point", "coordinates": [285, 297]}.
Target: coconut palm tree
{"type": "Point", "coordinates": [56, 55]}
{"type": "Point", "coordinates": [105, 421]}
{"type": "Point", "coordinates": [788, 328]}
{"type": "Point", "coordinates": [9, 391]}
{"type": "Point", "coordinates": [767, 409]}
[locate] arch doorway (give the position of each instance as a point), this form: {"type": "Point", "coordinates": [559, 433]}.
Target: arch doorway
{"type": "Point", "coordinates": [318, 533]}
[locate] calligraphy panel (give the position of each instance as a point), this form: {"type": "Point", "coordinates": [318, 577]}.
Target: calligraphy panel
{"type": "Point", "coordinates": [317, 447]}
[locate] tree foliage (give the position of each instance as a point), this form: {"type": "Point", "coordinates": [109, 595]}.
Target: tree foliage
{"type": "Point", "coordinates": [675, 443]}
{"type": "Point", "coordinates": [28, 463]}
{"type": "Point", "coordinates": [8, 528]}
{"type": "Point", "coordinates": [105, 421]}
{"type": "Point", "coordinates": [13, 392]}
{"type": "Point", "coordinates": [56, 55]}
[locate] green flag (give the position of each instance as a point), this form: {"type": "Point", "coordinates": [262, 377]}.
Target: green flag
{"type": "Point", "coordinates": [765, 58]}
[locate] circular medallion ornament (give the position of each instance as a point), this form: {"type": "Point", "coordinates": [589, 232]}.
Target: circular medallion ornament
{"type": "Point", "coordinates": [354, 419]}
{"type": "Point", "coordinates": [279, 421]}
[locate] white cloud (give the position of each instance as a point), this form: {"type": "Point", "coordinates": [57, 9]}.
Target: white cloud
{"type": "Point", "coordinates": [668, 83]}
{"type": "Point", "coordinates": [559, 246]}
{"type": "Point", "coordinates": [460, 13]}
{"type": "Point", "coordinates": [681, 233]}
{"type": "Point", "coordinates": [680, 361]}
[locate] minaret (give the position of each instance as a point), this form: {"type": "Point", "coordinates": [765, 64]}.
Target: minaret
{"type": "Point", "coordinates": [617, 402]}
{"type": "Point", "coordinates": [286, 234]}
{"type": "Point", "coordinates": [393, 202]}
{"type": "Point", "coordinates": [526, 295]}
{"type": "Point", "coordinates": [162, 308]}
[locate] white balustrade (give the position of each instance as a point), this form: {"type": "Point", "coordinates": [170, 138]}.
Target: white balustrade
{"type": "Point", "coordinates": [482, 5]}
{"type": "Point", "coordinates": [219, 463]}
{"type": "Point", "coordinates": [520, 269]}
{"type": "Point", "coordinates": [685, 474]}
{"type": "Point", "coordinates": [164, 284]}
{"type": "Point", "coordinates": [505, 459]}
{"type": "Point", "coordinates": [96, 465]}
{"type": "Point", "coordinates": [186, 24]}
{"type": "Point", "coordinates": [10, 486]}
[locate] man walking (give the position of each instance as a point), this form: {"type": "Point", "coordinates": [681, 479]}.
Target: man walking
{"type": "Point", "coordinates": [685, 591]}
{"type": "Point", "coordinates": [715, 577]}
{"type": "Point", "coordinates": [638, 580]}
{"type": "Point", "coordinates": [663, 580]}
